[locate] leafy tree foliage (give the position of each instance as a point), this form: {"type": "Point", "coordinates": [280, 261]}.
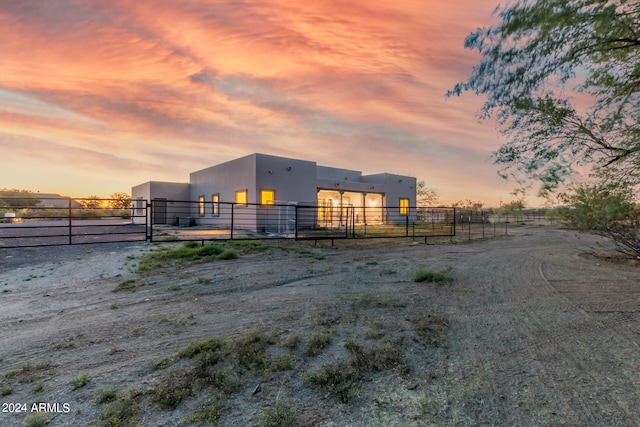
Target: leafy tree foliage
{"type": "Point", "coordinates": [91, 202]}
{"type": "Point", "coordinates": [468, 204]}
{"type": "Point", "coordinates": [562, 78]}
{"type": "Point", "coordinates": [120, 201]}
{"type": "Point", "coordinates": [598, 207]}
{"type": "Point", "coordinates": [514, 206]}
{"type": "Point", "coordinates": [608, 210]}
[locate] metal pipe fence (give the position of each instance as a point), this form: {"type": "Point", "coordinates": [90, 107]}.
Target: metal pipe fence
{"type": "Point", "coordinates": [42, 221]}
{"type": "Point", "coordinates": [39, 221]}
{"type": "Point", "coordinates": [204, 220]}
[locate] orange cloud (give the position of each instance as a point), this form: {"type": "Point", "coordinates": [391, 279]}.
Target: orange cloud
{"type": "Point", "coordinates": [185, 85]}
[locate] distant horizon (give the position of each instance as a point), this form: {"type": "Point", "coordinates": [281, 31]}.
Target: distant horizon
{"type": "Point", "coordinates": [98, 96]}
{"type": "Point", "coordinates": [62, 195]}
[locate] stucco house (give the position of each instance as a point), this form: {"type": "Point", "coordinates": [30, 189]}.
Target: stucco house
{"type": "Point", "coordinates": [260, 181]}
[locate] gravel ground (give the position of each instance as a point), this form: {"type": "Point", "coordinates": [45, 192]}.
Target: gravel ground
{"type": "Point", "coordinates": [542, 328]}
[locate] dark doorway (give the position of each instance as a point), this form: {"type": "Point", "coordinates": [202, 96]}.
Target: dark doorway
{"type": "Point", "coordinates": [159, 211]}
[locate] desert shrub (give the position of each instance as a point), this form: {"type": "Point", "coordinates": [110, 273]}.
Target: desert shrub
{"type": "Point", "coordinates": [80, 381]}
{"type": "Point", "coordinates": [279, 415]}
{"type": "Point", "coordinates": [293, 341]}
{"type": "Point", "coordinates": [107, 395]}
{"type": "Point", "coordinates": [317, 342]}
{"type": "Point", "coordinates": [228, 254]}
{"type": "Point", "coordinates": [196, 347]}
{"type": "Point", "coordinates": [338, 379]}
{"type": "Point", "coordinates": [125, 285]}
{"type": "Point", "coordinates": [251, 349]}
{"type": "Point", "coordinates": [423, 275]}
{"type": "Point", "coordinates": [172, 389]}
{"type": "Point", "coordinates": [120, 412]}
{"type": "Point", "coordinates": [284, 363]}
{"type": "Point", "coordinates": [208, 412]}
{"type": "Point", "coordinates": [36, 420]}
{"type": "Point", "coordinates": [607, 209]}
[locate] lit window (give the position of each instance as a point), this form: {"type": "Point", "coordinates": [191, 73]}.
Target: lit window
{"type": "Point", "coordinates": [404, 206]}
{"type": "Point", "coordinates": [267, 197]}
{"type": "Point", "coordinates": [215, 204]}
{"type": "Point", "coordinates": [241, 197]}
{"type": "Point", "coordinates": [201, 205]}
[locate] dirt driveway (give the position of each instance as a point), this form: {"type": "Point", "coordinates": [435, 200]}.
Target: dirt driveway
{"type": "Point", "coordinates": [538, 328]}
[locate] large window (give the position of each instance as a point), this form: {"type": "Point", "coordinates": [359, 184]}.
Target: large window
{"type": "Point", "coordinates": [241, 197]}
{"type": "Point", "coordinates": [201, 205]}
{"type": "Point", "coordinates": [404, 206]}
{"type": "Point", "coordinates": [267, 197]}
{"type": "Point", "coordinates": [215, 204]}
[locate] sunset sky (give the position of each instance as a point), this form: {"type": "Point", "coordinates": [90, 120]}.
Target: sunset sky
{"type": "Point", "coordinates": [97, 96]}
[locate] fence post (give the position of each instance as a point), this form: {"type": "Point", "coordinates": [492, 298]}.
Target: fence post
{"type": "Point", "coordinates": [454, 222]}
{"type": "Point", "coordinates": [70, 226]}
{"type": "Point", "coordinates": [148, 220]}
{"type": "Point", "coordinates": [295, 222]}
{"type": "Point", "coordinates": [232, 214]}
{"type": "Point", "coordinates": [406, 227]}
{"type": "Point", "coordinates": [353, 222]}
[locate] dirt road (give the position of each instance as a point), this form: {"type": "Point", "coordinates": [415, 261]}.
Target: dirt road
{"type": "Point", "coordinates": [540, 328]}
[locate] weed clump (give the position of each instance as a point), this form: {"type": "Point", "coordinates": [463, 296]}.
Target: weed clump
{"type": "Point", "coordinates": [317, 342]}
{"type": "Point", "coordinates": [80, 381]}
{"type": "Point", "coordinates": [228, 254]}
{"type": "Point", "coordinates": [251, 350]}
{"type": "Point", "coordinates": [125, 285]}
{"type": "Point", "coordinates": [423, 275]}
{"type": "Point", "coordinates": [121, 411]}
{"type": "Point", "coordinates": [36, 420]}
{"type": "Point", "coordinates": [338, 378]}
{"type": "Point", "coordinates": [279, 415]}
{"type": "Point", "coordinates": [190, 251]}
{"type": "Point", "coordinates": [196, 347]}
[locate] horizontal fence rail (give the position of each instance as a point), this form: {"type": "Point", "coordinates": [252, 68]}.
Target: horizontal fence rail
{"type": "Point", "coordinates": [189, 220]}
{"type": "Point", "coordinates": [41, 221]}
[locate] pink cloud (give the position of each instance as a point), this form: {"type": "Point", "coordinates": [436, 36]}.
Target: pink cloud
{"type": "Point", "coordinates": [352, 84]}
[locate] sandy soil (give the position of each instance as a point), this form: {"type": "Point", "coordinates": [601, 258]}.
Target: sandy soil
{"type": "Point", "coordinates": [542, 328]}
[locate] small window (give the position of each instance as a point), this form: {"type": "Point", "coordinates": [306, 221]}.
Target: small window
{"type": "Point", "coordinates": [267, 197]}
{"type": "Point", "coordinates": [215, 204]}
{"type": "Point", "coordinates": [241, 197]}
{"type": "Point", "coordinates": [201, 205]}
{"type": "Point", "coordinates": [139, 210]}
{"type": "Point", "coordinates": [404, 206]}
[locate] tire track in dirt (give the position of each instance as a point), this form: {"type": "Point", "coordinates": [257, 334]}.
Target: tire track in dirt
{"type": "Point", "coordinates": [530, 323]}
{"type": "Point", "coordinates": [619, 332]}
{"type": "Point", "coordinates": [564, 354]}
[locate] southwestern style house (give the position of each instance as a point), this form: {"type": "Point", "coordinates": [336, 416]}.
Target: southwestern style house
{"type": "Point", "coordinates": [260, 182]}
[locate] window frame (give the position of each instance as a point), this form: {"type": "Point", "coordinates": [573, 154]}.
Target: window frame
{"type": "Point", "coordinates": [246, 197]}
{"type": "Point", "coordinates": [403, 204]}
{"type": "Point", "coordinates": [215, 204]}
{"type": "Point", "coordinates": [201, 204]}
{"type": "Point", "coordinates": [268, 202]}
